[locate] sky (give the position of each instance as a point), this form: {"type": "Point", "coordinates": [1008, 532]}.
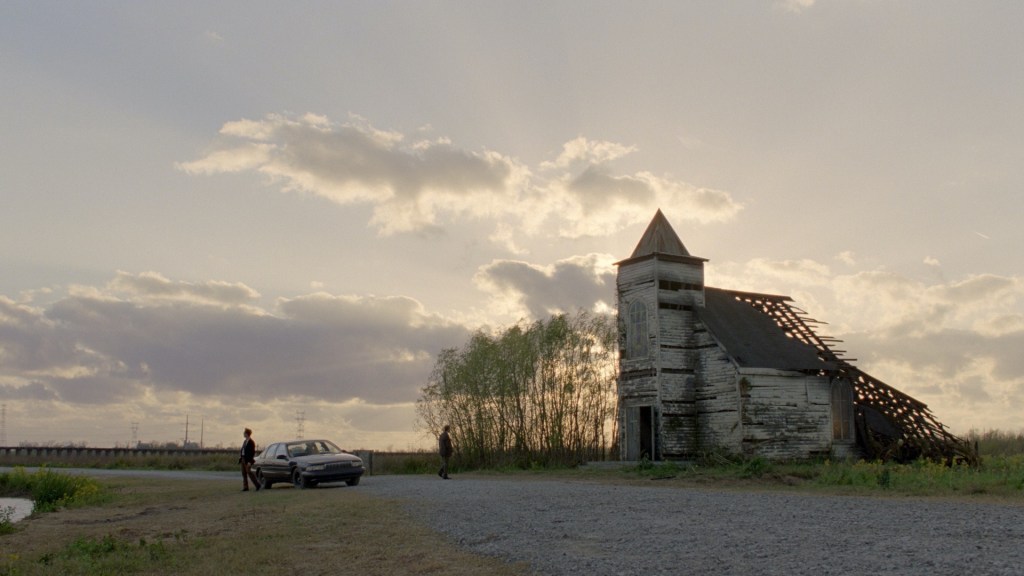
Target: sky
{"type": "Point", "coordinates": [225, 214]}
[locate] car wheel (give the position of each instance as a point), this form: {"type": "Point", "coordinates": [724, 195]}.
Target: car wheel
{"type": "Point", "coordinates": [352, 481]}
{"type": "Point", "coordinates": [264, 482]}
{"type": "Point", "coordinates": [298, 480]}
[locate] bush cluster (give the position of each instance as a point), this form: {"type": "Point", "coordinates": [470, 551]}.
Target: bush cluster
{"type": "Point", "coordinates": [49, 490]}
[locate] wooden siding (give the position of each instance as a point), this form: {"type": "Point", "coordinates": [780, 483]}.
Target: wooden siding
{"type": "Point", "coordinates": [718, 399]}
{"type": "Point", "coordinates": [670, 289]}
{"type": "Point", "coordinates": [785, 416]}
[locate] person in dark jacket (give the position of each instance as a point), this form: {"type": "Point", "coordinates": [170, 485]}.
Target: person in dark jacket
{"type": "Point", "coordinates": [246, 459]}
{"type": "Point", "coordinates": [444, 447]}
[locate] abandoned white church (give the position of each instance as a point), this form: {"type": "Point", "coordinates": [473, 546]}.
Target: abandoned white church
{"type": "Point", "coordinates": [705, 370]}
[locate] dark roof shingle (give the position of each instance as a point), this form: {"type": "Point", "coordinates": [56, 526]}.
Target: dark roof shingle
{"type": "Point", "coordinates": [752, 338]}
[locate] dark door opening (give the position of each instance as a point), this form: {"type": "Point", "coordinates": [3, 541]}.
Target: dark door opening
{"type": "Point", "coordinates": [646, 432]}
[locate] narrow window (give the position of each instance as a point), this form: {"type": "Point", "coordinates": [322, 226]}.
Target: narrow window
{"type": "Point", "coordinates": [842, 410]}
{"type": "Point", "coordinates": [636, 331]}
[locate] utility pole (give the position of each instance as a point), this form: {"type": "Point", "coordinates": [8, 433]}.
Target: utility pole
{"type": "Point", "coordinates": [186, 431]}
{"type": "Point", "coordinates": [300, 424]}
{"type": "Point", "coordinates": [3, 425]}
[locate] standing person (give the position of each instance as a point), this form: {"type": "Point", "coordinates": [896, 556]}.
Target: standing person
{"type": "Point", "coordinates": [246, 459]}
{"type": "Point", "coordinates": [444, 447]}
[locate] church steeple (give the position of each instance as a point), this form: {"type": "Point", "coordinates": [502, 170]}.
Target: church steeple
{"type": "Point", "coordinates": [660, 238]}
{"type": "Point", "coordinates": [660, 289]}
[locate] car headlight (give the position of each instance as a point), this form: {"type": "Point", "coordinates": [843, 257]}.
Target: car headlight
{"type": "Point", "coordinates": [357, 463]}
{"type": "Point", "coordinates": [315, 467]}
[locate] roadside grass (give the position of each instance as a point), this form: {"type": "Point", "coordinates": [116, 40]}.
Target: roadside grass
{"type": "Point", "coordinates": [405, 462]}
{"type": "Point", "coordinates": [209, 462]}
{"type": "Point", "coordinates": [998, 477]}
{"type": "Point", "coordinates": [193, 527]}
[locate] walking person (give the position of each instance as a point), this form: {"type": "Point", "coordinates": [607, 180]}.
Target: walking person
{"type": "Point", "coordinates": [444, 447]}
{"type": "Point", "coordinates": [247, 457]}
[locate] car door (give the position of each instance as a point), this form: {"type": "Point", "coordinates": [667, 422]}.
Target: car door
{"type": "Point", "coordinates": [276, 468]}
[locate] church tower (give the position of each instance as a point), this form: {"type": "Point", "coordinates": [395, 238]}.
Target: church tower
{"type": "Point", "coordinates": [660, 287]}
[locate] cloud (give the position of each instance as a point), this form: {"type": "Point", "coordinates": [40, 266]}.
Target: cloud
{"type": "Point", "coordinates": [582, 151]}
{"type": "Point", "coordinates": [29, 391]}
{"type": "Point", "coordinates": [143, 334]}
{"type": "Point", "coordinates": [847, 257]}
{"type": "Point", "coordinates": [422, 185]}
{"type": "Point", "coordinates": [147, 348]}
{"type": "Point", "coordinates": [586, 282]}
{"type": "Point", "coordinates": [902, 306]}
{"type": "Point", "coordinates": [795, 6]}
{"type": "Point", "coordinates": [153, 287]}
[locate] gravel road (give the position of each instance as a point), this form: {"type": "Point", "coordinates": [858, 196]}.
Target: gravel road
{"type": "Point", "coordinates": [578, 527]}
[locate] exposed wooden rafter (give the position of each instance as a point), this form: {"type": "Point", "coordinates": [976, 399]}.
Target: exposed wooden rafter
{"type": "Point", "coordinates": [919, 432]}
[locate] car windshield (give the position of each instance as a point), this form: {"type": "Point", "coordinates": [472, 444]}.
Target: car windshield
{"type": "Point", "coordinates": [310, 447]}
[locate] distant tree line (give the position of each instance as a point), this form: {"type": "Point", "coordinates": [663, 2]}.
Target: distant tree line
{"type": "Point", "coordinates": [533, 394]}
{"type": "Point", "coordinates": [997, 443]}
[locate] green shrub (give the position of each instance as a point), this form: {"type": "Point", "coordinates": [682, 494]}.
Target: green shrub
{"type": "Point", "coordinates": [6, 525]}
{"type": "Point", "coordinates": [49, 490]}
{"type": "Point", "coordinates": [754, 468]}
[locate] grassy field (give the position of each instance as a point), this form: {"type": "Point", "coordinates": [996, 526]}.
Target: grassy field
{"type": "Point", "coordinates": [208, 527]}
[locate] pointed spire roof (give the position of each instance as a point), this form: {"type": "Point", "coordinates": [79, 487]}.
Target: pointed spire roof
{"type": "Point", "coordinates": [660, 238]}
{"type": "Point", "coordinates": [662, 241]}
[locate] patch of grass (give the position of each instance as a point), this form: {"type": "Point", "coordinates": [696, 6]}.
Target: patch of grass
{"type": "Point", "coordinates": [754, 468]}
{"type": "Point", "coordinates": [145, 461]}
{"type": "Point", "coordinates": [106, 555]}
{"type": "Point", "coordinates": [1002, 476]}
{"type": "Point", "coordinates": [997, 477]}
{"type": "Point", "coordinates": [193, 527]}
{"type": "Point", "coordinates": [406, 463]}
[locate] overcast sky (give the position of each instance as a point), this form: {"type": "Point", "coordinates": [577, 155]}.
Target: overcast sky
{"type": "Point", "coordinates": [256, 213]}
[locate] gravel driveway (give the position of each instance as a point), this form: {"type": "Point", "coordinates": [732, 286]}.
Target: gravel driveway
{"type": "Point", "coordinates": [578, 527]}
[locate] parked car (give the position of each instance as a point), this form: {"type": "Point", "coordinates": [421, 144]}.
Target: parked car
{"type": "Point", "coordinates": [306, 463]}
